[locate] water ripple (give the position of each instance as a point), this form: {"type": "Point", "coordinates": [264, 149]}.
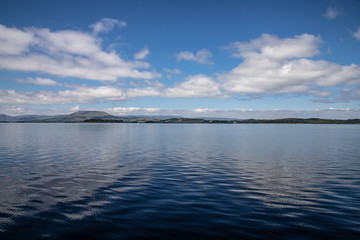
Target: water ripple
{"type": "Point", "coordinates": [134, 181]}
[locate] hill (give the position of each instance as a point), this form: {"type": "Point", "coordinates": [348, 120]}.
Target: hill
{"type": "Point", "coordinates": [80, 116]}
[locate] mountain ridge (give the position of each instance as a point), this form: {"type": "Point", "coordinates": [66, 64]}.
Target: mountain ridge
{"type": "Point", "coordinates": [81, 116]}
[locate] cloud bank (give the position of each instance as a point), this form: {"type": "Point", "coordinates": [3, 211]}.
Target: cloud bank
{"type": "Point", "coordinates": [268, 65]}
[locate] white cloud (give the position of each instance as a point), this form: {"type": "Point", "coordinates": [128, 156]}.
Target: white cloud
{"type": "Point", "coordinates": [65, 54]}
{"type": "Point", "coordinates": [202, 56]}
{"type": "Point", "coordinates": [272, 47]}
{"type": "Point", "coordinates": [14, 41]}
{"type": "Point", "coordinates": [76, 108]}
{"type": "Point", "coordinates": [194, 86]}
{"type": "Point", "coordinates": [331, 12]}
{"type": "Point", "coordinates": [133, 111]}
{"type": "Point", "coordinates": [357, 34]}
{"type": "Point", "coordinates": [106, 24]}
{"type": "Point", "coordinates": [142, 54]}
{"type": "Point", "coordinates": [67, 42]}
{"type": "Point", "coordinates": [342, 109]}
{"type": "Point", "coordinates": [38, 81]}
{"type": "Point", "coordinates": [272, 65]}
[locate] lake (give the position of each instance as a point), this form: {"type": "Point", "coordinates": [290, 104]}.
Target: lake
{"type": "Point", "coordinates": [179, 181]}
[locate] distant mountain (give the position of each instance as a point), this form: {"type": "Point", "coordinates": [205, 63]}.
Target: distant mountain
{"type": "Point", "coordinates": [80, 116]}
{"type": "Point", "coordinates": [100, 116]}
{"type": "Point", "coordinates": [23, 118]}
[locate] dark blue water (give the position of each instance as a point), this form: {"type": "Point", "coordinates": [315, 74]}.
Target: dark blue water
{"type": "Point", "coordinates": [185, 181]}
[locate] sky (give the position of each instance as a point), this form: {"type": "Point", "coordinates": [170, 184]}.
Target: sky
{"type": "Point", "coordinates": [192, 58]}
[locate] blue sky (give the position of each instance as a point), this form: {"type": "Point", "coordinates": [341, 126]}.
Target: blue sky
{"type": "Point", "coordinates": [238, 59]}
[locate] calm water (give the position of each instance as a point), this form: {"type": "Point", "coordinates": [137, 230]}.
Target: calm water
{"type": "Point", "coordinates": [185, 181]}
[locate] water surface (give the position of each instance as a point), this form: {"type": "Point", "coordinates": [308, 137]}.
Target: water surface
{"type": "Point", "coordinates": [179, 181]}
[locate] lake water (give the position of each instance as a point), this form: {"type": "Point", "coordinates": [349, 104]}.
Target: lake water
{"type": "Point", "coordinates": [179, 181]}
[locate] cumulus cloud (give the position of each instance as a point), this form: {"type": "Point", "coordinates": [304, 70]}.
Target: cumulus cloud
{"type": "Point", "coordinates": [194, 86]}
{"type": "Point", "coordinates": [284, 66]}
{"type": "Point", "coordinates": [331, 12]}
{"type": "Point", "coordinates": [38, 81]}
{"type": "Point", "coordinates": [106, 24]}
{"type": "Point", "coordinates": [202, 56]}
{"type": "Point", "coordinates": [357, 34]}
{"type": "Point", "coordinates": [142, 54]}
{"type": "Point", "coordinates": [65, 53]}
